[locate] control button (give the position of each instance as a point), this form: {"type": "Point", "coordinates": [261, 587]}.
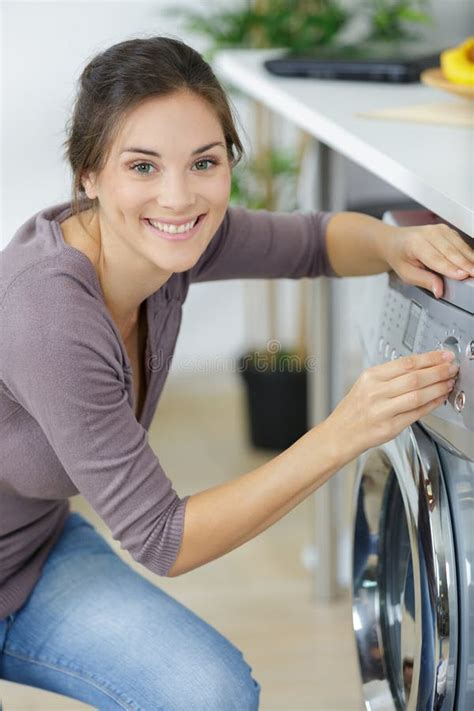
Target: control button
{"type": "Point", "coordinates": [380, 344]}
{"type": "Point", "coordinates": [387, 350]}
{"type": "Point", "coordinates": [470, 350]}
{"type": "Point", "coordinates": [452, 344]}
{"type": "Point", "coordinates": [394, 354]}
{"type": "Point", "coordinates": [460, 400]}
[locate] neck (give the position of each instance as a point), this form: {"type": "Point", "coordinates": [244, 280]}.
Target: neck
{"type": "Point", "coordinates": [130, 328]}
{"type": "Point", "coordinates": [126, 282]}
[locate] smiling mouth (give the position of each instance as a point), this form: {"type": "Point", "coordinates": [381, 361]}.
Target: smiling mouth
{"type": "Point", "coordinates": [169, 226]}
{"type": "Point", "coordinates": [175, 232]}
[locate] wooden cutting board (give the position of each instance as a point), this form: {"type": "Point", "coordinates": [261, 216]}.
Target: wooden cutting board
{"type": "Point", "coordinates": [446, 113]}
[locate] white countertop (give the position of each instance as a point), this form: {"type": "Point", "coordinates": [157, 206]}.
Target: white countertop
{"type": "Point", "coordinates": [432, 164]}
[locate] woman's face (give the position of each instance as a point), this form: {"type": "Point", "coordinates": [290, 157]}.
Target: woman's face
{"type": "Point", "coordinates": [168, 165]}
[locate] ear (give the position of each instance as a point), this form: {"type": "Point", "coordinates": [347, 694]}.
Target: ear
{"type": "Point", "coordinates": [89, 183]}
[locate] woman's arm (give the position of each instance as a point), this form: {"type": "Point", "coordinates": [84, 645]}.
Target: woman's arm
{"type": "Point", "coordinates": [358, 244]}
{"type": "Point", "coordinates": [382, 402]}
{"type": "Point", "coordinates": [224, 517]}
{"type": "Point", "coordinates": [353, 243]}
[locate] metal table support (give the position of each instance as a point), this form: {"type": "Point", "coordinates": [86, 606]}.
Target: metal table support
{"type": "Point", "coordinates": [325, 383]}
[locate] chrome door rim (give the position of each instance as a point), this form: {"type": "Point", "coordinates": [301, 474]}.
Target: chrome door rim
{"type": "Point", "coordinates": [411, 462]}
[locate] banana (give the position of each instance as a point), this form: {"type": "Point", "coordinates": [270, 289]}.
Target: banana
{"type": "Point", "coordinates": [457, 63]}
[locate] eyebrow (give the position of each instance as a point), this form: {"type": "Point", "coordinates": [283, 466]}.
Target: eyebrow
{"type": "Point", "coordinates": [148, 152]}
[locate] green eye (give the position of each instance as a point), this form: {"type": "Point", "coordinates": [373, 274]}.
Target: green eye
{"type": "Point", "coordinates": [204, 160]}
{"type": "Point", "coordinates": [201, 166]}
{"type": "Point", "coordinates": [141, 165]}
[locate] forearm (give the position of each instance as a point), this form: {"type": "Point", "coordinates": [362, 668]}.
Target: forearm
{"type": "Point", "coordinates": [355, 243]}
{"type": "Point", "coordinates": [282, 511]}
{"type": "Point", "coordinates": [226, 516]}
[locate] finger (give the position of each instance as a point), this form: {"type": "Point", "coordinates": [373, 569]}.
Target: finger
{"type": "Point", "coordinates": [442, 254]}
{"type": "Point", "coordinates": [408, 418]}
{"type": "Point", "coordinates": [417, 398]}
{"type": "Point", "coordinates": [420, 276]}
{"type": "Point", "coordinates": [420, 379]}
{"type": "Point", "coordinates": [457, 258]}
{"type": "Point", "coordinates": [407, 364]}
{"type": "Point", "coordinates": [456, 246]}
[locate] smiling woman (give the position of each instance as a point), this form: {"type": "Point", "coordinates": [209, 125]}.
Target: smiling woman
{"type": "Point", "coordinates": [91, 295]}
{"type": "Point", "coordinates": [142, 200]}
{"type": "Point", "coordinates": [180, 117]}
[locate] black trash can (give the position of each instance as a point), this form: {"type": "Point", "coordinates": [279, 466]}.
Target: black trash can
{"type": "Point", "coordinates": [277, 404]}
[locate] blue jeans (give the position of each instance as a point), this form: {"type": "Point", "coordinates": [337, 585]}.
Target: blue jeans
{"type": "Point", "coordinates": [95, 630]}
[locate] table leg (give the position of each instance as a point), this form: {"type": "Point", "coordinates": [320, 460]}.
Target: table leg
{"type": "Point", "coordinates": [325, 380]}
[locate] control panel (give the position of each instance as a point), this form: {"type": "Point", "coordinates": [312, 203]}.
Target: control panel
{"type": "Point", "coordinates": [414, 321]}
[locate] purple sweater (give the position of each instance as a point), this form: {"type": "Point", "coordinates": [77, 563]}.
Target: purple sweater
{"type": "Point", "coordinates": [66, 420]}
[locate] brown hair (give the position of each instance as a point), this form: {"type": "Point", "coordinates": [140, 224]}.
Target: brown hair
{"type": "Point", "coordinates": [116, 81]}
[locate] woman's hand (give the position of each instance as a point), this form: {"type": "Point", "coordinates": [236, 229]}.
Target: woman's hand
{"type": "Point", "coordinates": [387, 398]}
{"type": "Point", "coordinates": [420, 254]}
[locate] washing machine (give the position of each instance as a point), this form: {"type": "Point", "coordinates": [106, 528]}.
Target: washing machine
{"type": "Point", "coordinates": [413, 517]}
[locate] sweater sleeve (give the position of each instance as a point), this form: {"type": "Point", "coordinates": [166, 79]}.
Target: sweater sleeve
{"type": "Point", "coordinates": [264, 244]}
{"type": "Point", "coordinates": [61, 360]}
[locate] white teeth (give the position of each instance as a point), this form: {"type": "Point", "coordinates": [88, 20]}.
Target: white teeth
{"type": "Point", "coordinates": [173, 229]}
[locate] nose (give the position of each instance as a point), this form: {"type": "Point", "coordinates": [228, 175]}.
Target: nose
{"type": "Point", "coordinates": [175, 192]}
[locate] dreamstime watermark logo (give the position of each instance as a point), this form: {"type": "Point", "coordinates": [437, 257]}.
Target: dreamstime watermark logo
{"type": "Point", "coordinates": [272, 359]}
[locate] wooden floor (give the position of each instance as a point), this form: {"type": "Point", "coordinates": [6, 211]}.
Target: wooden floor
{"type": "Point", "coordinates": [259, 595]}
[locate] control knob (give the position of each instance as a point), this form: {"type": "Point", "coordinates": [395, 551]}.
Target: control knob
{"type": "Point", "coordinates": [452, 344]}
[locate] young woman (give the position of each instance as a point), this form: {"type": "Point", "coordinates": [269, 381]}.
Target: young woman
{"type": "Point", "coordinates": [91, 294]}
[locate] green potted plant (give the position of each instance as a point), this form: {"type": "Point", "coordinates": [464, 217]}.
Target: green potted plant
{"type": "Point", "coordinates": [390, 19]}
{"type": "Point", "coordinates": [299, 24]}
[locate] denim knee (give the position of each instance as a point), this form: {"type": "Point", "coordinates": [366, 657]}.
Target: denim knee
{"type": "Point", "coordinates": [223, 690]}
{"type": "Point", "coordinates": [217, 679]}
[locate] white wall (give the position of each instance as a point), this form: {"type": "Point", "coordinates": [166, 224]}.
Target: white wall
{"type": "Point", "coordinates": [45, 45]}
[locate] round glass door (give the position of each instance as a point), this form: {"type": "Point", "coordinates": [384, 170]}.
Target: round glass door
{"type": "Point", "coordinates": [397, 597]}
{"type": "Point", "coordinates": [404, 595]}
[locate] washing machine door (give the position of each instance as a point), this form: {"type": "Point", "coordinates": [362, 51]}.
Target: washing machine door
{"type": "Point", "coordinates": [404, 600]}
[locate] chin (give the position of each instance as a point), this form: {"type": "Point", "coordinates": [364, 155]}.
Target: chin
{"type": "Point", "coordinates": [183, 259]}
{"type": "Point", "coordinates": [178, 265]}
